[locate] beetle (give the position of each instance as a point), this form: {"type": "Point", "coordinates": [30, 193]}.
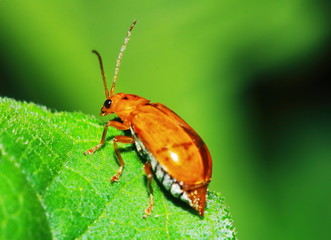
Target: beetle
{"type": "Point", "coordinates": [175, 153]}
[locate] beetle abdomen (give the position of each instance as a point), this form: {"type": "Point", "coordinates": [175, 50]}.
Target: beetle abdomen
{"type": "Point", "coordinates": [178, 156]}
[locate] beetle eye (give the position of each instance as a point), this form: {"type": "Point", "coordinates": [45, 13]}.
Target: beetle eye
{"type": "Point", "coordinates": [107, 103]}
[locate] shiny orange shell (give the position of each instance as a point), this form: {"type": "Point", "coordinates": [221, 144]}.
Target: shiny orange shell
{"type": "Point", "coordinates": [178, 156]}
{"type": "Point", "coordinates": [179, 150]}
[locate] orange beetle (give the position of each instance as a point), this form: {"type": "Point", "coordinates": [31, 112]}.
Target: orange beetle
{"type": "Point", "coordinates": [175, 152]}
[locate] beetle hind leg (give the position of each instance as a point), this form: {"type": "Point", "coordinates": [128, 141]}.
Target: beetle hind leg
{"type": "Point", "coordinates": [121, 139]}
{"type": "Point", "coordinates": [148, 172]}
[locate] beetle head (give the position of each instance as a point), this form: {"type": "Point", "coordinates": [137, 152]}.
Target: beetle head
{"type": "Point", "coordinates": [105, 109]}
{"type": "Point", "coordinates": [122, 104]}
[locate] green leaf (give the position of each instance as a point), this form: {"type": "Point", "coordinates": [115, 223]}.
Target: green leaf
{"type": "Point", "coordinates": [50, 190]}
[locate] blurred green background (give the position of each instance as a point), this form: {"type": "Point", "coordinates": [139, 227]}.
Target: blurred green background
{"type": "Point", "coordinates": [251, 77]}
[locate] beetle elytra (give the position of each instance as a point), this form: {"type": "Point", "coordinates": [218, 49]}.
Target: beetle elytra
{"type": "Point", "coordinates": [175, 153]}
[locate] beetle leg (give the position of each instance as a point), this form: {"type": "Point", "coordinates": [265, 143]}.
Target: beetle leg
{"type": "Point", "coordinates": [121, 139]}
{"type": "Point", "coordinates": [148, 172]}
{"type": "Point", "coordinates": [115, 124]}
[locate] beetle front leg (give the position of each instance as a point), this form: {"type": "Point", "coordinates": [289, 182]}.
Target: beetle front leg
{"type": "Point", "coordinates": [115, 124]}
{"type": "Point", "coordinates": [148, 172]}
{"type": "Point", "coordinates": [121, 139]}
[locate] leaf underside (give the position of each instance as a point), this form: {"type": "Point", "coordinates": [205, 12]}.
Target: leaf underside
{"type": "Point", "coordinates": [50, 190]}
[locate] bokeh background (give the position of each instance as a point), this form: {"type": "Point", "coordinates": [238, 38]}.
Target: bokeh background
{"type": "Point", "coordinates": [252, 77]}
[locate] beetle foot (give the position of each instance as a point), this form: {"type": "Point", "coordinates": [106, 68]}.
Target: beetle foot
{"type": "Point", "coordinates": [90, 151]}
{"type": "Point", "coordinates": [150, 207]}
{"type": "Point", "coordinates": [115, 178]}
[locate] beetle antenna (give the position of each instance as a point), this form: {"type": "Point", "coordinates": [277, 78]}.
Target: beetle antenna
{"type": "Point", "coordinates": [102, 73]}
{"type": "Point", "coordinates": [119, 59]}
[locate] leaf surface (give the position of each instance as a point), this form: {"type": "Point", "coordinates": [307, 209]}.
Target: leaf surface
{"type": "Point", "coordinates": [50, 190]}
